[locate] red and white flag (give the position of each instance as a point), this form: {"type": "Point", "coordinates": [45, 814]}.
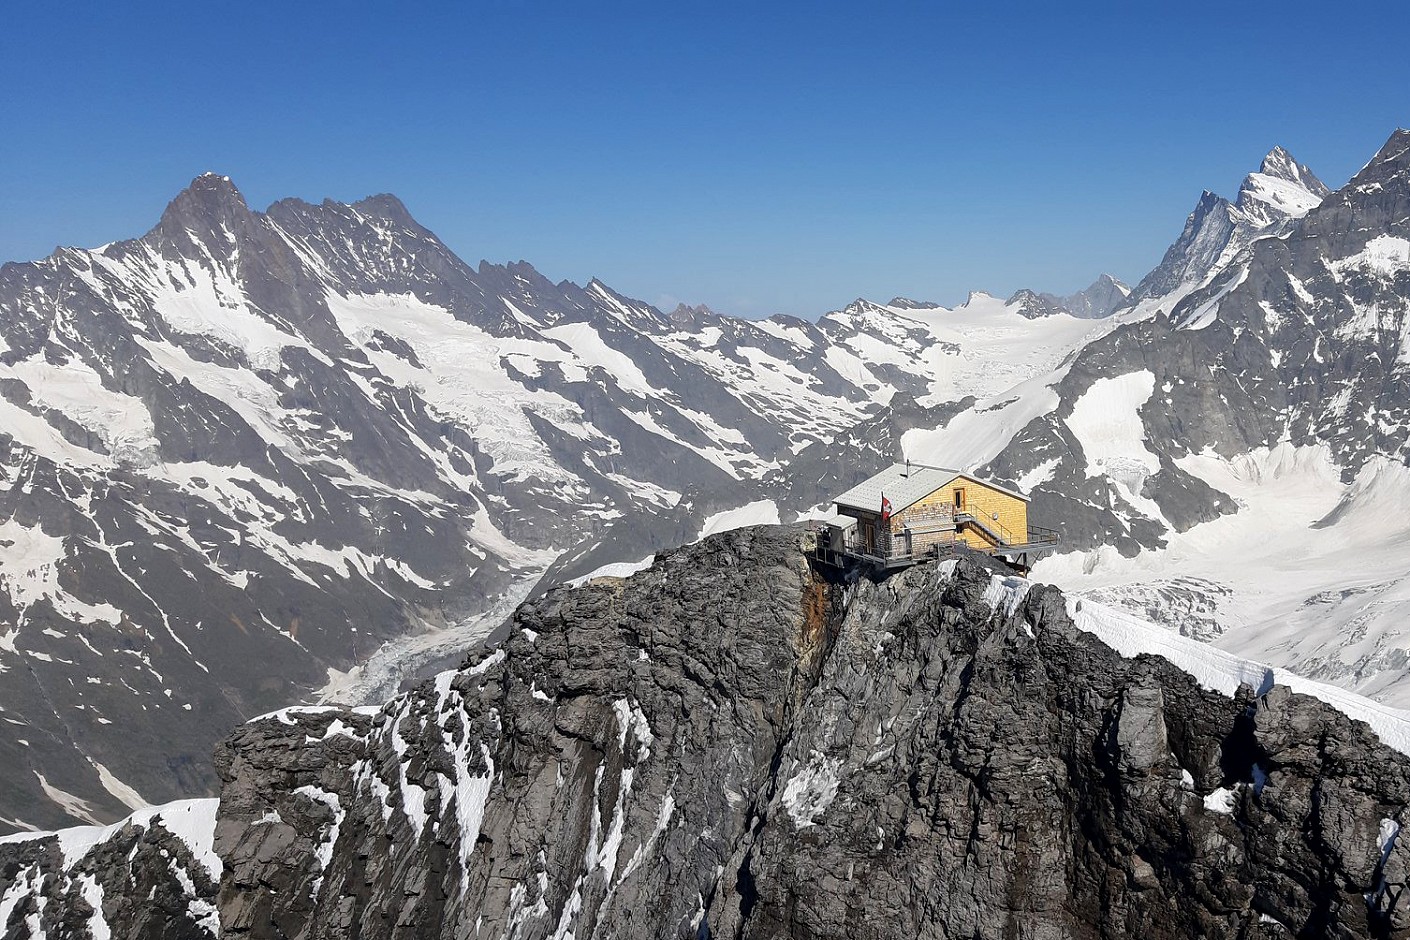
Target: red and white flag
{"type": "Point", "coordinates": [885, 508]}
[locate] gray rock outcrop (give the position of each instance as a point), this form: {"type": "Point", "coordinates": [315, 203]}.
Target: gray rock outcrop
{"type": "Point", "coordinates": [735, 744]}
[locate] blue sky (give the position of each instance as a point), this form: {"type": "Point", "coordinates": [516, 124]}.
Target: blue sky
{"type": "Point", "coordinates": [755, 157]}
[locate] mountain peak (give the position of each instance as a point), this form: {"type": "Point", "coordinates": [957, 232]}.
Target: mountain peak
{"type": "Point", "coordinates": [1395, 151]}
{"type": "Point", "coordinates": [386, 206]}
{"type": "Point", "coordinates": [212, 187]}
{"type": "Point", "coordinates": [686, 316]}
{"type": "Point", "coordinates": [1100, 298]}
{"type": "Point", "coordinates": [1279, 163]}
{"type": "Point", "coordinates": [906, 303]}
{"type": "Point", "coordinates": [1387, 172]}
{"type": "Point", "coordinates": [211, 203]}
{"type": "Point", "coordinates": [1281, 189]}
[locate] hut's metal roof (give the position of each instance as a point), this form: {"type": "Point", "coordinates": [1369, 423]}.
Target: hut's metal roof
{"type": "Point", "coordinates": [904, 485]}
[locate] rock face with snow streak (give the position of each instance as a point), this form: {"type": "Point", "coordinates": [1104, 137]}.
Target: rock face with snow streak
{"type": "Point", "coordinates": [153, 875]}
{"type": "Point", "coordinates": [733, 744]}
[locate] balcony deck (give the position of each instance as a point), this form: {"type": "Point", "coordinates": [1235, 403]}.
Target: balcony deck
{"type": "Point", "coordinates": [901, 550]}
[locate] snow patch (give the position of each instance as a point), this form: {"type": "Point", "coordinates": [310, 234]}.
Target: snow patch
{"type": "Point", "coordinates": [811, 791]}
{"type": "Point", "coordinates": [1384, 256]}
{"type": "Point", "coordinates": [618, 569]}
{"type": "Point", "coordinates": [759, 512]}
{"type": "Point", "coordinates": [1106, 421]}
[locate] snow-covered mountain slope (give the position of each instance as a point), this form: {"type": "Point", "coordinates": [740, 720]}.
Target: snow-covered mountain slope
{"type": "Point", "coordinates": [939, 354]}
{"type": "Point", "coordinates": [925, 362]}
{"type": "Point", "coordinates": [1310, 573]}
{"type": "Point", "coordinates": [1236, 467]}
{"type": "Point", "coordinates": [1223, 672]}
{"type": "Point", "coordinates": [64, 884]}
{"type": "Point", "coordinates": [242, 453]}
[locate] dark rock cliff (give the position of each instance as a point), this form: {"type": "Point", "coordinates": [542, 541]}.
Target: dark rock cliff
{"type": "Point", "coordinates": [732, 744]}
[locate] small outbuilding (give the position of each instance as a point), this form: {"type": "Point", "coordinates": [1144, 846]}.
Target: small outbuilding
{"type": "Point", "coordinates": [909, 512]}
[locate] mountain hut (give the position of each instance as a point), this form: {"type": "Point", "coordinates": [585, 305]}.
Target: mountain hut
{"type": "Point", "coordinates": [909, 512]}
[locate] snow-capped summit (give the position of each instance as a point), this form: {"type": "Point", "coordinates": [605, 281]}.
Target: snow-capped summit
{"type": "Point", "coordinates": [1281, 189]}
{"type": "Point", "coordinates": [1217, 231]}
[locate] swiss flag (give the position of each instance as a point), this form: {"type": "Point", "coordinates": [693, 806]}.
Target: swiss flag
{"type": "Point", "coordinates": [885, 508]}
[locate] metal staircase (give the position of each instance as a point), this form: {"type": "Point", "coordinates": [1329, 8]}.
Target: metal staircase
{"type": "Point", "coordinates": [997, 535]}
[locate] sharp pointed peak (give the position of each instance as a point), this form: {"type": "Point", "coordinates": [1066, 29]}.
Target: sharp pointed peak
{"type": "Point", "coordinates": [1390, 165]}
{"type": "Point", "coordinates": [211, 202]}
{"type": "Point", "coordinates": [1282, 188]}
{"type": "Point", "coordinates": [1282, 165]}
{"type": "Point", "coordinates": [1276, 160]}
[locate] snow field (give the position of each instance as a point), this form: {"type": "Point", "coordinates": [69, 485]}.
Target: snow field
{"type": "Point", "coordinates": [1318, 571]}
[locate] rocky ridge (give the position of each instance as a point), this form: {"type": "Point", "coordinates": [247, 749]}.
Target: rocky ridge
{"type": "Point", "coordinates": [734, 744]}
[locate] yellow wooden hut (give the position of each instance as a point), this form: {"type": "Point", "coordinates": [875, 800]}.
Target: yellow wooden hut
{"type": "Point", "coordinates": [909, 511]}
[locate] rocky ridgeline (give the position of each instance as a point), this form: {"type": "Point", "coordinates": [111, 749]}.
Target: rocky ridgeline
{"type": "Point", "coordinates": [732, 744]}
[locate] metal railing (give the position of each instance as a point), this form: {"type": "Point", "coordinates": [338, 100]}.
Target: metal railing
{"type": "Point", "coordinates": [992, 528]}
{"type": "Point", "coordinates": [888, 549]}
{"type": "Point", "coordinates": [898, 549]}
{"type": "Point", "coordinates": [1038, 535]}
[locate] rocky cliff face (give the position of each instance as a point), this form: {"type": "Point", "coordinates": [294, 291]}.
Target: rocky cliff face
{"type": "Point", "coordinates": [734, 744]}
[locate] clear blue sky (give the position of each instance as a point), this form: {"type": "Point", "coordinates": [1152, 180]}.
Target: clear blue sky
{"type": "Point", "coordinates": [755, 157]}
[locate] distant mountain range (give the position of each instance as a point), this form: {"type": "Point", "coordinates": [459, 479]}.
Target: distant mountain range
{"type": "Point", "coordinates": [245, 451]}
